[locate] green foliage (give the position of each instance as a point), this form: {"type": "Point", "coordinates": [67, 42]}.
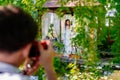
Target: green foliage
{"type": "Point", "coordinates": [91, 32]}
{"type": "Point", "coordinates": [116, 45]}
{"type": "Point", "coordinates": [40, 73]}
{"type": "Point", "coordinates": [62, 10]}
{"type": "Point", "coordinates": [88, 23]}
{"type": "Point", "coordinates": [73, 71]}
{"type": "Point", "coordinates": [60, 67]}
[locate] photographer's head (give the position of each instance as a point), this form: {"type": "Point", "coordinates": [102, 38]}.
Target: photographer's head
{"type": "Point", "coordinates": [17, 30]}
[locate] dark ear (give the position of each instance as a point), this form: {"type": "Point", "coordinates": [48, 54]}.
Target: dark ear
{"type": "Point", "coordinates": [26, 50]}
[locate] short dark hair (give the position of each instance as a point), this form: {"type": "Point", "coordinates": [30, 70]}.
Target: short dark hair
{"type": "Point", "coordinates": [17, 28]}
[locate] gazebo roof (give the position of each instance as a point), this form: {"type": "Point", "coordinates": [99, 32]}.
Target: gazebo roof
{"type": "Point", "coordinates": [56, 4]}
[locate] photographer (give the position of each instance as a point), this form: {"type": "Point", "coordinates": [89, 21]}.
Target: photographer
{"type": "Point", "coordinates": [17, 33]}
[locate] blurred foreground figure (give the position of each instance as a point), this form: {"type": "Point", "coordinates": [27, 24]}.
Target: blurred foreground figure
{"type": "Point", "coordinates": [17, 33]}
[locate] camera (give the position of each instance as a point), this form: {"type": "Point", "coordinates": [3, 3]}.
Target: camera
{"type": "Point", "coordinates": [34, 51]}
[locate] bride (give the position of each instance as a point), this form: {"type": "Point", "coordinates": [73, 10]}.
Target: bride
{"type": "Point", "coordinates": [67, 38]}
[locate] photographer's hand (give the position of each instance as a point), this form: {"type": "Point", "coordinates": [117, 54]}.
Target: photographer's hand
{"type": "Point", "coordinates": [31, 65]}
{"type": "Point", "coordinates": [46, 59]}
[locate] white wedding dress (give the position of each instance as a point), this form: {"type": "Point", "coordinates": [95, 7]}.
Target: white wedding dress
{"type": "Point", "coordinates": [67, 42]}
